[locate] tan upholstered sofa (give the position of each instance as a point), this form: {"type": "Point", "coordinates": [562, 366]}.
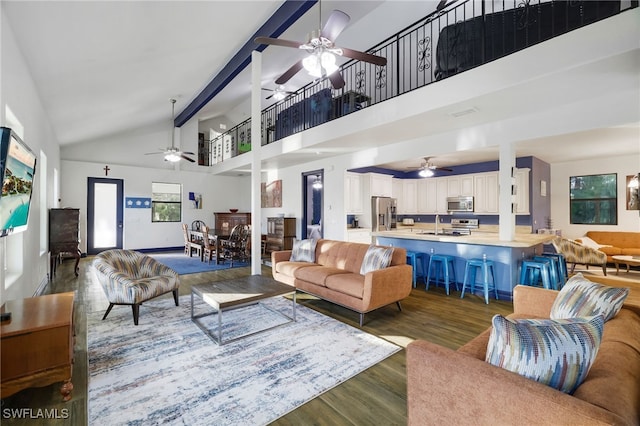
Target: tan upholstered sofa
{"type": "Point", "coordinates": [459, 387]}
{"type": "Point", "coordinates": [617, 243]}
{"type": "Point", "coordinates": [335, 276]}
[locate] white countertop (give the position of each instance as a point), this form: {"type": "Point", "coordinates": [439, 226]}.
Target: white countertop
{"type": "Point", "coordinates": [520, 240]}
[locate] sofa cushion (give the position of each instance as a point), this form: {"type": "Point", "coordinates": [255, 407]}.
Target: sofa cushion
{"type": "Point", "coordinates": [558, 353]}
{"type": "Point", "coordinates": [583, 298]}
{"type": "Point", "coordinates": [289, 268]}
{"type": "Point", "coordinates": [616, 238]}
{"type": "Point", "coordinates": [351, 284]}
{"type": "Point", "coordinates": [317, 274]}
{"type": "Point", "coordinates": [376, 258]}
{"type": "Point", "coordinates": [304, 251]}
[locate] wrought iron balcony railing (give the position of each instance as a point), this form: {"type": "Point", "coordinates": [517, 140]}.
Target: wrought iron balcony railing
{"type": "Point", "coordinates": [459, 37]}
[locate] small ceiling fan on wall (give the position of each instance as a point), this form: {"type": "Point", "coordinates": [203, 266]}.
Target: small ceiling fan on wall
{"type": "Point", "coordinates": [321, 59]}
{"type": "Point", "coordinates": [173, 154]}
{"type": "Point", "coordinates": [427, 168]}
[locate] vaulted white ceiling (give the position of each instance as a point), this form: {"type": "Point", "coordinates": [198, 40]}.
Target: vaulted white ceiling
{"type": "Point", "coordinates": [108, 67]}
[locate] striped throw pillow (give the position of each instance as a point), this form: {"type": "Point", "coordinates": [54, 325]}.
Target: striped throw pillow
{"type": "Point", "coordinates": [376, 258]}
{"type": "Point", "coordinates": [583, 298]}
{"type": "Point", "coordinates": [303, 251]}
{"type": "Point", "coordinates": [557, 353]}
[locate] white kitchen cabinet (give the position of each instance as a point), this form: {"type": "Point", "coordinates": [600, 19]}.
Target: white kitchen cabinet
{"type": "Point", "coordinates": [397, 193]}
{"type": "Point", "coordinates": [359, 236]}
{"type": "Point", "coordinates": [485, 193]}
{"type": "Point", "coordinates": [432, 195]}
{"type": "Point", "coordinates": [522, 191]}
{"type": "Point", "coordinates": [410, 196]}
{"type": "Point", "coordinates": [380, 185]}
{"type": "Point", "coordinates": [460, 186]}
{"type": "Point", "coordinates": [353, 193]}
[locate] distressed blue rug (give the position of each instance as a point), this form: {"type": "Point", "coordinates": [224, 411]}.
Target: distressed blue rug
{"type": "Point", "coordinates": [183, 264]}
{"type": "Point", "coordinates": [167, 371]}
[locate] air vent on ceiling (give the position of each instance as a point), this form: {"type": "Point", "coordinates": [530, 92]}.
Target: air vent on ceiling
{"type": "Point", "coordinates": [460, 113]}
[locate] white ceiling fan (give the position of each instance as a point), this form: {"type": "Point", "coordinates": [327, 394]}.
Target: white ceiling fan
{"type": "Point", "coordinates": [427, 168]}
{"type": "Point", "coordinates": [173, 154]}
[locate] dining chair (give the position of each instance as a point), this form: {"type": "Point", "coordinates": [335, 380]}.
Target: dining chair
{"type": "Point", "coordinates": [189, 244]}
{"type": "Point", "coordinates": [209, 244]}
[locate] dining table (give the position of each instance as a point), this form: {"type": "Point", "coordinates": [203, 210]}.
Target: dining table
{"type": "Point", "coordinates": [215, 236]}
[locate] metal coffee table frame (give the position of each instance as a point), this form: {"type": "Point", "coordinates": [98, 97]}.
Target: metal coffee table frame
{"type": "Point", "coordinates": [225, 296]}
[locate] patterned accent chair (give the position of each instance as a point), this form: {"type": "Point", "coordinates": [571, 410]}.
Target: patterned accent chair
{"type": "Point", "coordinates": [129, 278]}
{"type": "Point", "coordinates": [575, 253]}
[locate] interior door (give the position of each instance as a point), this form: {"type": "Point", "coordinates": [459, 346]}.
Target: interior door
{"type": "Point", "coordinates": [105, 204]}
{"type": "Point", "coordinates": [313, 199]}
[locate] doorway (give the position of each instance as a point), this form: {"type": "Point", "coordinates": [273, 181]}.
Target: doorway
{"type": "Point", "coordinates": [104, 214]}
{"type": "Point", "coordinates": [312, 204]}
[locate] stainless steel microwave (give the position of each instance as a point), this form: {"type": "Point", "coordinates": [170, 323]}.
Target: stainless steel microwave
{"type": "Point", "coordinates": [460, 204]}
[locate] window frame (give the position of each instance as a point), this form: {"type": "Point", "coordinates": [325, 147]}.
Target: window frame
{"type": "Point", "coordinates": [155, 203]}
{"type": "Point", "coordinates": [599, 201]}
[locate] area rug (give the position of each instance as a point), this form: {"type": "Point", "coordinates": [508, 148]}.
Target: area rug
{"type": "Point", "coordinates": [166, 370]}
{"type": "Point", "coordinates": [183, 264]}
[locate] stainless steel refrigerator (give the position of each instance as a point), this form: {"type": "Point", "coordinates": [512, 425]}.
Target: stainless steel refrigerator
{"type": "Point", "coordinates": [383, 213]}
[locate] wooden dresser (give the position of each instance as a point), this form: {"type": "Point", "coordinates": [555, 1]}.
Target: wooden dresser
{"type": "Point", "coordinates": [37, 343]}
{"type": "Point", "coordinates": [64, 236]}
{"type": "Point", "coordinates": [281, 231]}
{"type": "Point", "coordinates": [226, 221]}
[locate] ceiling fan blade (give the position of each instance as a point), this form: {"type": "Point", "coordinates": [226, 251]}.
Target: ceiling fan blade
{"type": "Point", "coordinates": [268, 90]}
{"type": "Point", "coordinates": [187, 158]}
{"type": "Point", "coordinates": [336, 80]}
{"type": "Point", "coordinates": [290, 73]}
{"type": "Point", "coordinates": [270, 96]}
{"type": "Point", "coordinates": [277, 42]}
{"type": "Point", "coordinates": [337, 22]}
{"type": "Point", "coordinates": [152, 153]}
{"type": "Point", "coordinates": [189, 153]}
{"type": "Point", "coordinates": [443, 169]}
{"type": "Point", "coordinates": [365, 57]}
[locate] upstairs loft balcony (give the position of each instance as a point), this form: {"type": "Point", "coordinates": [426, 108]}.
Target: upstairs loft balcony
{"type": "Point", "coordinates": [455, 39]}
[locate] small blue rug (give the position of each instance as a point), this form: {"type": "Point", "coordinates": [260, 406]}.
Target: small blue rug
{"type": "Point", "coordinates": [183, 264]}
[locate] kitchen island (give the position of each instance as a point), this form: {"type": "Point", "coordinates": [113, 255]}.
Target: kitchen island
{"type": "Point", "coordinates": [506, 255]}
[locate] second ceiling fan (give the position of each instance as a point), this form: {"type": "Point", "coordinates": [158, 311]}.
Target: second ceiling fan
{"type": "Point", "coordinates": [321, 61]}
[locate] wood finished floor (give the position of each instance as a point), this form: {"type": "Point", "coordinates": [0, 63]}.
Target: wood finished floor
{"type": "Point", "coordinates": [375, 396]}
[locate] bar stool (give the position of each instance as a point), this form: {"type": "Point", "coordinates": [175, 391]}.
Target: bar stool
{"type": "Point", "coordinates": [485, 266]}
{"type": "Point", "coordinates": [554, 275]}
{"type": "Point", "coordinates": [445, 261]}
{"type": "Point", "coordinates": [412, 259]}
{"type": "Point", "coordinates": [563, 274]}
{"type": "Point", "coordinates": [531, 270]}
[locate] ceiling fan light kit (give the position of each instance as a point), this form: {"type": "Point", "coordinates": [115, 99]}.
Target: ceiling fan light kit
{"type": "Point", "coordinates": [425, 172]}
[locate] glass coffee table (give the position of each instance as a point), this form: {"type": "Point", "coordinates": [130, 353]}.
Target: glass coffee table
{"type": "Point", "coordinates": [224, 296]}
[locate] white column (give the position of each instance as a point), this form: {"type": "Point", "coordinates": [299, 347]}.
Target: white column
{"type": "Point", "coordinates": [506, 178]}
{"type": "Point", "coordinates": [256, 143]}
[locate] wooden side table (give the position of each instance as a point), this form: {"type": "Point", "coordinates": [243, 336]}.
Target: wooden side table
{"type": "Point", "coordinates": [37, 344]}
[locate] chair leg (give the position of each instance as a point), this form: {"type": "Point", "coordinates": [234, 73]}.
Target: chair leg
{"type": "Point", "coordinates": [604, 269]}
{"type": "Point", "coordinates": [175, 296]}
{"type": "Point", "coordinates": [136, 312]}
{"type": "Point", "coordinates": [361, 319]}
{"type": "Point", "coordinates": [399, 305]}
{"type": "Point", "coordinates": [108, 310]}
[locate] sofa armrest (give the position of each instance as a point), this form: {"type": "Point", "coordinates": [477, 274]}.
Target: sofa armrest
{"type": "Point", "coordinates": [448, 387]}
{"type": "Point", "coordinates": [279, 256]}
{"type": "Point", "coordinates": [387, 285]}
{"type": "Point", "coordinates": [533, 301]}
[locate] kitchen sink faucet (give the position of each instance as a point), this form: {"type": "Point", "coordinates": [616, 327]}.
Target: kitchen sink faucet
{"type": "Point", "coordinates": [437, 221]}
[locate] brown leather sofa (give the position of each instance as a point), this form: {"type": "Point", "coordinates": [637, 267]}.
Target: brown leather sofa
{"type": "Point", "coordinates": [622, 243]}
{"type": "Point", "coordinates": [335, 276]}
{"type": "Point", "coordinates": [459, 387]}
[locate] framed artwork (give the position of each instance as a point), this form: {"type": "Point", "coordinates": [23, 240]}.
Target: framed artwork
{"type": "Point", "coordinates": [633, 200]}
{"type": "Point", "coordinates": [271, 194]}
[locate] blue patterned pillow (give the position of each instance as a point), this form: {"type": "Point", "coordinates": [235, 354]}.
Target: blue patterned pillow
{"type": "Point", "coordinates": [582, 298]}
{"type": "Point", "coordinates": [557, 353]}
{"type": "Point", "coordinates": [376, 258]}
{"type": "Point", "coordinates": [303, 251]}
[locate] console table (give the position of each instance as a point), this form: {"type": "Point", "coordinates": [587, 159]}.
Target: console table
{"type": "Point", "coordinates": [37, 344]}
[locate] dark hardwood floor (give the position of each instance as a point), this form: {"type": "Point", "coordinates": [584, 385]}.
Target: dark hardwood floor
{"type": "Point", "coordinates": [375, 396]}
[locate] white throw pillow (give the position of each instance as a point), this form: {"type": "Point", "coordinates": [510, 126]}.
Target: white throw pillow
{"type": "Point", "coordinates": [376, 258]}
{"type": "Point", "coordinates": [304, 251]}
{"type": "Point", "coordinates": [588, 242]}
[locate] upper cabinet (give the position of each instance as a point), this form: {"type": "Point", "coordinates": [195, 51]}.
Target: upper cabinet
{"type": "Point", "coordinates": [460, 186]}
{"type": "Point", "coordinates": [380, 185]}
{"type": "Point", "coordinates": [353, 194]}
{"type": "Point", "coordinates": [522, 191]}
{"type": "Point", "coordinates": [432, 195]}
{"type": "Point", "coordinates": [485, 193]}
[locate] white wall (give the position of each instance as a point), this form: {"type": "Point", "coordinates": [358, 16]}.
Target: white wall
{"type": "Point", "coordinates": [27, 265]}
{"type": "Point", "coordinates": [628, 220]}
{"type": "Point", "coordinates": [219, 194]}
